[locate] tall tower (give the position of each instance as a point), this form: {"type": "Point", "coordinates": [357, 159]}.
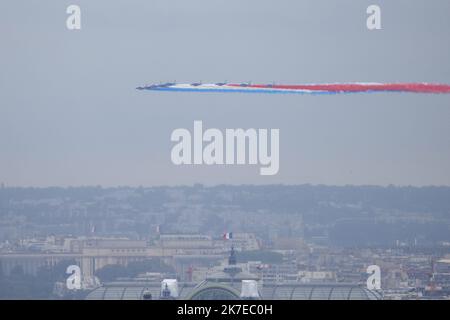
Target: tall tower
{"type": "Point", "coordinates": [232, 258]}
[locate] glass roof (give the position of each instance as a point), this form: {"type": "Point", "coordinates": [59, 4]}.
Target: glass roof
{"type": "Point", "coordinates": [333, 291]}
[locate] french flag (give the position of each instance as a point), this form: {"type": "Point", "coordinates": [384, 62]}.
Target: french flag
{"type": "Point", "coordinates": [228, 235]}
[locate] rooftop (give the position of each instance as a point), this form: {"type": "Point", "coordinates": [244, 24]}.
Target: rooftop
{"type": "Point", "coordinates": [271, 291]}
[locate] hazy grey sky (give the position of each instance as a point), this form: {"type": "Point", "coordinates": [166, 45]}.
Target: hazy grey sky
{"type": "Point", "coordinates": [69, 113]}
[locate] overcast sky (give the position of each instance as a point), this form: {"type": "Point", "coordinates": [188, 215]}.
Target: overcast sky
{"type": "Point", "coordinates": [70, 114]}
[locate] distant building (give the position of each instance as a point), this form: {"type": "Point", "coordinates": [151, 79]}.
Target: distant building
{"type": "Point", "coordinates": [230, 284]}
{"type": "Point", "coordinates": [186, 241]}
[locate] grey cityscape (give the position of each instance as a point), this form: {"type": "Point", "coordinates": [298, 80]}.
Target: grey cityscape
{"type": "Point", "coordinates": [294, 242]}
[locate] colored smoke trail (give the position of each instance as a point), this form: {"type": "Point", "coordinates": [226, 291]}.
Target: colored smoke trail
{"type": "Point", "coordinates": [334, 88]}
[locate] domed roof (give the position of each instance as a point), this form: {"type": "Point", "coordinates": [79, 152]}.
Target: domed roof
{"type": "Point", "coordinates": [213, 291]}
{"type": "Point", "coordinates": [232, 272]}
